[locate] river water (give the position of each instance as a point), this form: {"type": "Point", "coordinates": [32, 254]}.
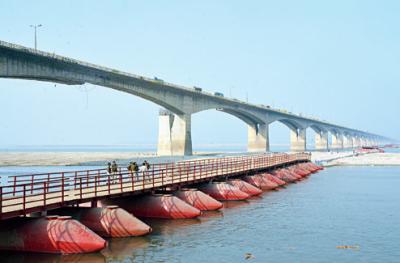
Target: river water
{"type": "Point", "coordinates": [306, 222]}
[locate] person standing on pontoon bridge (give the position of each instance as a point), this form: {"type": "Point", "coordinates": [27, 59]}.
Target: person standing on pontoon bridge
{"type": "Point", "coordinates": [114, 171]}
{"type": "Point", "coordinates": [135, 169]}
{"type": "Point", "coordinates": [147, 165]}
{"type": "Point", "coordinates": [143, 170]}
{"type": "Point", "coordinates": [130, 168]}
{"type": "Point", "coordinates": [109, 171]}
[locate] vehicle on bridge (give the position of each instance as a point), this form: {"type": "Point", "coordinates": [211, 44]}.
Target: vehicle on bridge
{"type": "Point", "coordinates": [158, 80]}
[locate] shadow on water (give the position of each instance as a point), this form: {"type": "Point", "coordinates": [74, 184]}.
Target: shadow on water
{"type": "Point", "coordinates": [167, 226]}
{"type": "Point", "coordinates": [237, 204]}
{"type": "Point", "coordinates": [24, 257]}
{"type": "Point", "coordinates": [211, 214]}
{"type": "Point", "coordinates": [122, 249]}
{"type": "Point", "coordinates": [134, 248]}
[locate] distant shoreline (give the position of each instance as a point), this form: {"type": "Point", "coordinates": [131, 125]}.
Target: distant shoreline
{"type": "Point", "coordinates": [87, 158]}
{"type": "Point", "coordinates": [371, 159]}
{"type": "Point", "coordinates": [345, 158]}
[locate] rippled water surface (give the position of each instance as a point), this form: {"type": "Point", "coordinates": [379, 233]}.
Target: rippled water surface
{"type": "Point", "coordinates": [340, 206]}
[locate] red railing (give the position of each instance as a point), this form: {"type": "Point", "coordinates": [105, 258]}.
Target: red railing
{"type": "Point", "coordinates": [34, 192]}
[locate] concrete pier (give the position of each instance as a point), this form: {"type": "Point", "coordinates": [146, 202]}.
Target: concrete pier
{"type": "Point", "coordinates": [356, 142]}
{"type": "Point", "coordinates": [347, 142]}
{"type": "Point", "coordinates": [257, 138]}
{"type": "Point", "coordinates": [321, 141]}
{"type": "Point", "coordinates": [298, 140]}
{"type": "Point", "coordinates": [174, 134]}
{"type": "Point", "coordinates": [337, 141]}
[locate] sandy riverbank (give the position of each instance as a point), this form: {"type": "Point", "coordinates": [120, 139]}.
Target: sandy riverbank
{"type": "Point", "coordinates": [63, 158]}
{"type": "Point", "coordinates": [329, 156]}
{"type": "Point", "coordinates": [372, 159]}
{"type": "Point", "coordinates": [84, 158]}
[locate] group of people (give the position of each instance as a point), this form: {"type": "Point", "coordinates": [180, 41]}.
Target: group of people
{"type": "Point", "coordinates": [133, 169]}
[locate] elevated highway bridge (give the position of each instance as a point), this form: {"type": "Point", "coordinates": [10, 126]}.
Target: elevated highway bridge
{"type": "Point", "coordinates": [179, 103]}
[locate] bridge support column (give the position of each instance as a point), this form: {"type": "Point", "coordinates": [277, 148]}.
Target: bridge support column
{"type": "Point", "coordinates": [298, 140]}
{"type": "Point", "coordinates": [258, 138]}
{"type": "Point", "coordinates": [362, 142]}
{"type": "Point", "coordinates": [354, 139]}
{"type": "Point", "coordinates": [321, 141]}
{"type": "Point", "coordinates": [174, 134]}
{"type": "Point", "coordinates": [347, 142]}
{"type": "Point", "coordinates": [337, 141]}
{"type": "Point", "coordinates": [357, 142]}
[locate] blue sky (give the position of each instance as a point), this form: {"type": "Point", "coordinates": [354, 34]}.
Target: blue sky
{"type": "Point", "coordinates": [336, 60]}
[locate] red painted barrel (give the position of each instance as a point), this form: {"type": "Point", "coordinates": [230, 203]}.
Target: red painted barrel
{"type": "Point", "coordinates": [52, 234]}
{"type": "Point", "coordinates": [223, 191]}
{"type": "Point", "coordinates": [245, 187]}
{"type": "Point", "coordinates": [288, 178]}
{"type": "Point", "coordinates": [292, 172]}
{"type": "Point", "coordinates": [198, 199]}
{"type": "Point", "coordinates": [300, 174]}
{"type": "Point", "coordinates": [275, 179]}
{"type": "Point", "coordinates": [307, 168]}
{"type": "Point", "coordinates": [158, 206]}
{"type": "Point", "coordinates": [317, 166]}
{"type": "Point", "coordinates": [269, 184]}
{"type": "Point", "coordinates": [254, 180]}
{"type": "Point", "coordinates": [313, 166]}
{"type": "Point", "coordinates": [109, 221]}
{"type": "Point", "coordinates": [301, 171]}
{"type": "Point", "coordinates": [260, 182]}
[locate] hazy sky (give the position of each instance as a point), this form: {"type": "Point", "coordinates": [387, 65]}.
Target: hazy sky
{"type": "Point", "coordinates": [337, 60]}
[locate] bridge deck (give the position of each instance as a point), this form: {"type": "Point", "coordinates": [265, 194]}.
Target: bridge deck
{"type": "Point", "coordinates": [39, 192]}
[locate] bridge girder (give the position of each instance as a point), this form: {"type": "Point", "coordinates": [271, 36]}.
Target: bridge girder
{"type": "Point", "coordinates": [24, 63]}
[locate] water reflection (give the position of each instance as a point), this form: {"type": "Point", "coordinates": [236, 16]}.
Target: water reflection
{"type": "Point", "coordinates": [123, 249]}
{"type": "Point", "coordinates": [167, 226]}
{"type": "Point", "coordinates": [142, 249]}
{"type": "Point", "coordinates": [236, 204]}
{"type": "Point", "coordinates": [20, 257]}
{"type": "Point", "coordinates": [211, 214]}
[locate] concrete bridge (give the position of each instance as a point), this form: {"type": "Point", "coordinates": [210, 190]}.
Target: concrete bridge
{"type": "Point", "coordinates": [179, 103]}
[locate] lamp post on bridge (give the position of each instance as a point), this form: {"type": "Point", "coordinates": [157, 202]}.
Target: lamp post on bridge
{"type": "Point", "coordinates": [35, 27]}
